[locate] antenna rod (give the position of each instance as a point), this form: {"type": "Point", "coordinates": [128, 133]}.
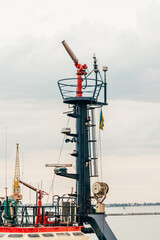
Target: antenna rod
{"type": "Point", "coordinates": [6, 164]}
{"type": "Point", "coordinates": [105, 69]}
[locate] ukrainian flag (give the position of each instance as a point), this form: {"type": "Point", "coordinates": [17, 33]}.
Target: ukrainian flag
{"type": "Point", "coordinates": [101, 123]}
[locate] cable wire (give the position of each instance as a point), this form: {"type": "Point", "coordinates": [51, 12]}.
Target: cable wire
{"type": "Point", "coordinates": [57, 163]}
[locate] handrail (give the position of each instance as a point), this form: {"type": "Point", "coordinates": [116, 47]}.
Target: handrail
{"type": "Point", "coordinates": [90, 87]}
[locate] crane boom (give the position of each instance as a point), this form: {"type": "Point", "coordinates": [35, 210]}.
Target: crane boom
{"type": "Point", "coordinates": [28, 185]}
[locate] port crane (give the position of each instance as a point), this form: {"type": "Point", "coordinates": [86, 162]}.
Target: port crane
{"type": "Point", "coordinates": [16, 186]}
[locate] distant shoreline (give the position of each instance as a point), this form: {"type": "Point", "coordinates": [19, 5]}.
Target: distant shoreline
{"type": "Point", "coordinates": [132, 204]}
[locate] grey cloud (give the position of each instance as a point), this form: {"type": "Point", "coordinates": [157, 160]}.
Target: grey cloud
{"type": "Point", "coordinates": [131, 128]}
{"type": "Point", "coordinates": [32, 67]}
{"type": "Point", "coordinates": [29, 69]}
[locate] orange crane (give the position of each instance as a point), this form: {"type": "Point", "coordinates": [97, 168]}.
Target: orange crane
{"type": "Point", "coordinates": [16, 185]}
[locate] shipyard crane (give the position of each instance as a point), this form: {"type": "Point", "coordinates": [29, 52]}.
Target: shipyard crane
{"type": "Point", "coordinates": [16, 185]}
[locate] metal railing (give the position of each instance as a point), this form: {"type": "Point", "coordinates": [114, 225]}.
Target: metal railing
{"type": "Point", "coordinates": [90, 87]}
{"type": "Point", "coordinates": [60, 213]}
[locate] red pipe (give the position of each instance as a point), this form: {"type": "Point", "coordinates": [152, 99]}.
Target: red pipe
{"type": "Point", "coordinates": [39, 215]}
{"type": "Point", "coordinates": [81, 71]}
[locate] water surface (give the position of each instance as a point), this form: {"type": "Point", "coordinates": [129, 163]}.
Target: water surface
{"type": "Point", "coordinates": [141, 227]}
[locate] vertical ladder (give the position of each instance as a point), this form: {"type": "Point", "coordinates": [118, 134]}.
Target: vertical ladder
{"type": "Point", "coordinates": [93, 145]}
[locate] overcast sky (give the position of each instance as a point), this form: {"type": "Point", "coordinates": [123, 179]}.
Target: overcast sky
{"type": "Point", "coordinates": [125, 36]}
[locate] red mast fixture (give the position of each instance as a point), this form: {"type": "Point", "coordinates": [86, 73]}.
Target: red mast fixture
{"type": "Point", "coordinates": [40, 196]}
{"type": "Point", "coordinates": [81, 69]}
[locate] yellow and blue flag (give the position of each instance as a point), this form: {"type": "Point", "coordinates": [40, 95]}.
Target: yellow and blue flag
{"type": "Point", "coordinates": [101, 123]}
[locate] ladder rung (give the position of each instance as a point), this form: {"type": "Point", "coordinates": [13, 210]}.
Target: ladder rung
{"type": "Point", "coordinates": [74, 154]}
{"type": "Point", "coordinates": [72, 134]}
{"type": "Point", "coordinates": [91, 125]}
{"type": "Point", "coordinates": [74, 115]}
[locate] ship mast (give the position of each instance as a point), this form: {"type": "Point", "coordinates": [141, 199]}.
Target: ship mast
{"type": "Point", "coordinates": [82, 93]}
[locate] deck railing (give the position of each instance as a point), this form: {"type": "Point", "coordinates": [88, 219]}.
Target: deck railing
{"type": "Point", "coordinates": [59, 213]}
{"type": "Point", "coordinates": [90, 88]}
